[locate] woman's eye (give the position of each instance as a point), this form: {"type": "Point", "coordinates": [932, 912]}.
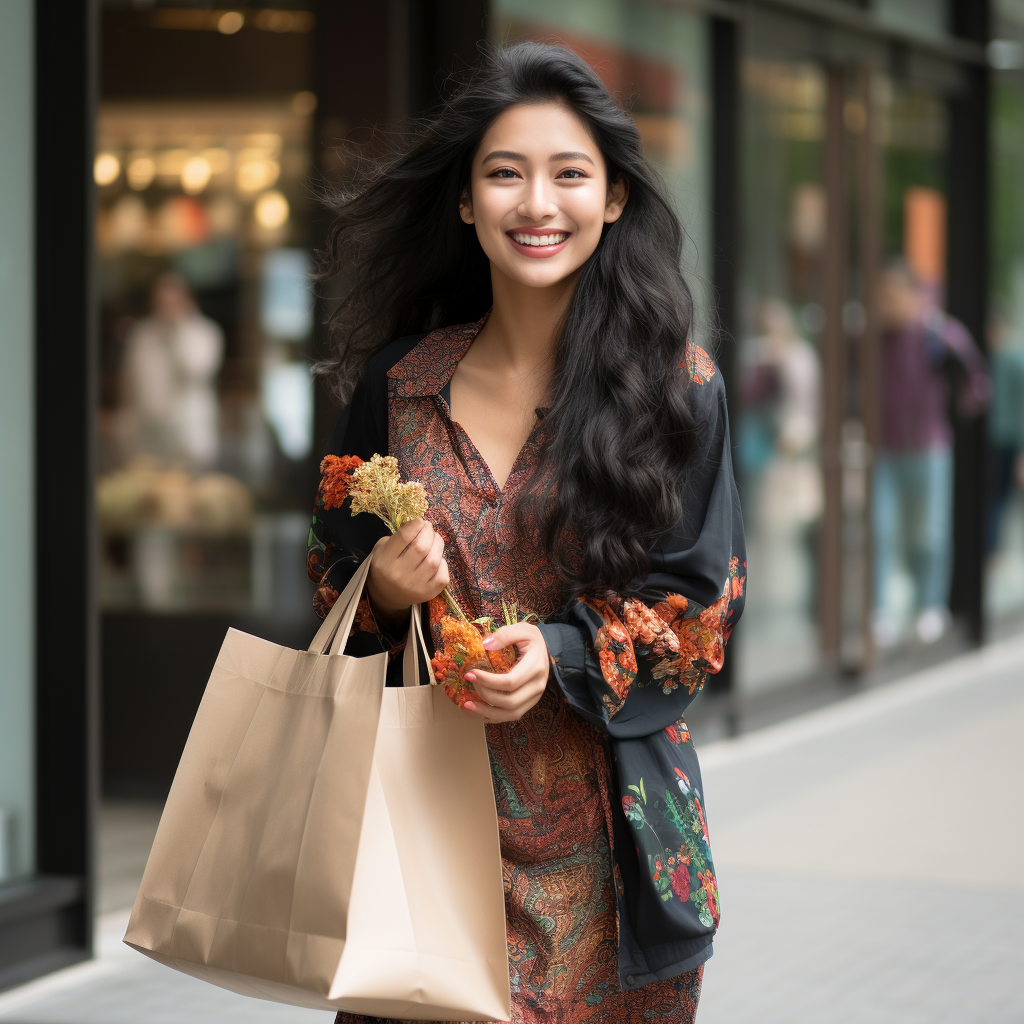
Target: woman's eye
{"type": "Point", "coordinates": [573, 172]}
{"type": "Point", "coordinates": [504, 172]}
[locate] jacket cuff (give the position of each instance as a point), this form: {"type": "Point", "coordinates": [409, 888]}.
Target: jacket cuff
{"type": "Point", "coordinates": [567, 650]}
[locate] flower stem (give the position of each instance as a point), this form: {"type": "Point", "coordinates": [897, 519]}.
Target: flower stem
{"type": "Point", "coordinates": [453, 604]}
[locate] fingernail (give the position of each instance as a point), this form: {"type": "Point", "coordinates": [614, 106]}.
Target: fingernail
{"type": "Point", "coordinates": [469, 706]}
{"type": "Point", "coordinates": [470, 677]}
{"type": "Point", "coordinates": [489, 643]}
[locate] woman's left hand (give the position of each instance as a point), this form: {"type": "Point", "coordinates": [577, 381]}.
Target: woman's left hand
{"type": "Point", "coordinates": [507, 696]}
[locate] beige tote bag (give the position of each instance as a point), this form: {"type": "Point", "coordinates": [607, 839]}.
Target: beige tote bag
{"type": "Point", "coordinates": [328, 841]}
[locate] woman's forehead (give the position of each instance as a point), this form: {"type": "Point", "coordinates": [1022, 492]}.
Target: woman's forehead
{"type": "Point", "coordinates": [538, 131]}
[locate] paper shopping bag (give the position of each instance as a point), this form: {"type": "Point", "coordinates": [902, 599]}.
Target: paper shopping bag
{"type": "Point", "coordinates": [329, 841]}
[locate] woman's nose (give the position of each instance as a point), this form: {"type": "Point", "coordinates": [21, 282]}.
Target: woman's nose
{"type": "Point", "coordinates": [539, 202]}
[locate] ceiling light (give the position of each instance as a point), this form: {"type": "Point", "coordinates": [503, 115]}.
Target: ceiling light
{"type": "Point", "coordinates": [106, 168]}
{"type": "Point", "coordinates": [230, 22]}
{"type": "Point", "coordinates": [256, 172]}
{"type": "Point", "coordinates": [195, 175]}
{"type": "Point", "coordinates": [271, 210]}
{"type": "Point", "coordinates": [141, 171]}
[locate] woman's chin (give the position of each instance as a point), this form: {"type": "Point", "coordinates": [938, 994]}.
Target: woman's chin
{"type": "Point", "coordinates": [540, 274]}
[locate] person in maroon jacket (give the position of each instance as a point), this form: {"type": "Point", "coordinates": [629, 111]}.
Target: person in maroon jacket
{"type": "Point", "coordinates": [926, 356]}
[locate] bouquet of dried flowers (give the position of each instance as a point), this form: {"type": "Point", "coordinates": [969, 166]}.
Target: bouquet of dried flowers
{"type": "Point", "coordinates": [462, 649]}
{"type": "Point", "coordinates": [376, 486]}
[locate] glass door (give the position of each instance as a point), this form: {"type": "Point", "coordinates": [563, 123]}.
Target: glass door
{"type": "Point", "coordinates": [843, 205]}
{"type": "Point", "coordinates": [782, 318]}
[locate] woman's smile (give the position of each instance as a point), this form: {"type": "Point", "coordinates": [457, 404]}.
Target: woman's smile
{"type": "Point", "coordinates": [538, 242]}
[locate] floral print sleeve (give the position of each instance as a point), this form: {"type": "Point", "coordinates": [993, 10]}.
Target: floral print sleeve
{"type": "Point", "coordinates": [338, 542]}
{"type": "Point", "coordinates": [632, 664]}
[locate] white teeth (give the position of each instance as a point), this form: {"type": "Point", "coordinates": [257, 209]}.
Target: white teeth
{"type": "Point", "coordinates": [541, 239]}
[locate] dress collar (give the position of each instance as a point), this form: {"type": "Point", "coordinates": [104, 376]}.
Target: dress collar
{"type": "Point", "coordinates": [428, 366]}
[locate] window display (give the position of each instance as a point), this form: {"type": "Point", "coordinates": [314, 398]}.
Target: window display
{"type": "Point", "coordinates": [206, 394]}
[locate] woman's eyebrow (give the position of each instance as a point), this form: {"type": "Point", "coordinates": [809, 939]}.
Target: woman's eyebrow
{"type": "Point", "coordinates": [572, 156]}
{"type": "Point", "coordinates": [503, 154]}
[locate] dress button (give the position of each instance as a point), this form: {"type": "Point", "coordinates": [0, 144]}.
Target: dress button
{"type": "Point", "coordinates": [630, 980]}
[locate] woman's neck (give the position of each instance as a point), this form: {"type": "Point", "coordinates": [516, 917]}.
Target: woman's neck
{"type": "Point", "coordinates": [521, 333]}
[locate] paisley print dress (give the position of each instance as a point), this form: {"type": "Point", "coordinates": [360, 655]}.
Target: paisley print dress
{"type": "Point", "coordinates": [611, 899]}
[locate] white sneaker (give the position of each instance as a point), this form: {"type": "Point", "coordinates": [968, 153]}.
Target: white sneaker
{"type": "Point", "coordinates": [932, 623]}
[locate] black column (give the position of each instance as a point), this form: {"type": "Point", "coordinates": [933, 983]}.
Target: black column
{"type": "Point", "coordinates": [66, 54]}
{"type": "Point", "coordinates": [967, 277]}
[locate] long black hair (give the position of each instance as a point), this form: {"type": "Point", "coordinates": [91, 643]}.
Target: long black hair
{"type": "Point", "coordinates": [620, 429]}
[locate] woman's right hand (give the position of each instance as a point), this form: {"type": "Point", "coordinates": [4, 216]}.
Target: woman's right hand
{"type": "Point", "coordinates": [408, 568]}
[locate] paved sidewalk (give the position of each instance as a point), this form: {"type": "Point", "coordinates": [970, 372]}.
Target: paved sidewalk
{"type": "Point", "coordinates": [870, 859]}
{"type": "Point", "coordinates": [871, 856]}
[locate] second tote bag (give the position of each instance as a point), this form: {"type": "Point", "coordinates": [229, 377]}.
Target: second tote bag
{"type": "Point", "coordinates": [329, 841]}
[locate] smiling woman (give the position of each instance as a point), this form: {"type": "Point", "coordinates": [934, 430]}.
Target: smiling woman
{"type": "Point", "coordinates": [544, 203]}
{"type": "Point", "coordinates": [516, 336]}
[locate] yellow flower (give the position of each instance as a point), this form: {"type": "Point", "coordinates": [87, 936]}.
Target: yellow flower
{"type": "Point", "coordinates": [377, 487]}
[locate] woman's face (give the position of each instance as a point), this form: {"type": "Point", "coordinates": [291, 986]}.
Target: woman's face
{"type": "Point", "coordinates": [539, 194]}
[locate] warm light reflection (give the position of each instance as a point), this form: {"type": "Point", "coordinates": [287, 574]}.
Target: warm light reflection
{"type": "Point", "coordinates": [218, 158]}
{"type": "Point", "coordinates": [128, 220]}
{"type": "Point", "coordinates": [106, 168]}
{"type": "Point", "coordinates": [271, 210]}
{"type": "Point", "coordinates": [256, 171]}
{"type": "Point", "coordinates": [269, 143]}
{"type": "Point", "coordinates": [171, 162]}
{"type": "Point", "coordinates": [195, 175]}
{"type": "Point", "coordinates": [285, 21]}
{"type": "Point", "coordinates": [230, 22]}
{"type": "Point", "coordinates": [141, 172]}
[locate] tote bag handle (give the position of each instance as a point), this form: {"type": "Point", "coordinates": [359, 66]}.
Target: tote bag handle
{"type": "Point", "coordinates": [341, 617]}
{"type": "Point", "coordinates": [338, 623]}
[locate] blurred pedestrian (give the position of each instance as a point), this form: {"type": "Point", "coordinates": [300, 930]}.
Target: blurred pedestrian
{"type": "Point", "coordinates": [926, 356]}
{"type": "Point", "coordinates": [169, 404]}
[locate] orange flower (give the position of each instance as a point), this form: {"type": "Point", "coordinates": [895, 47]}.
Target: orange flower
{"type": "Point", "coordinates": [336, 478]}
{"type": "Point", "coordinates": [462, 649]}
{"type": "Point", "coordinates": [461, 640]}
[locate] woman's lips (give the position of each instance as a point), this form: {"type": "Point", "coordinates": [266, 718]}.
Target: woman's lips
{"type": "Point", "coordinates": [538, 244]}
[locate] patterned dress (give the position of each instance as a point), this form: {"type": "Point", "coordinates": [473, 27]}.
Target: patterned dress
{"type": "Point", "coordinates": [593, 852]}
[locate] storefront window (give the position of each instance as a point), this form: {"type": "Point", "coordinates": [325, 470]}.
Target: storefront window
{"type": "Point", "coordinates": [206, 395]}
{"type": "Point", "coordinates": [779, 373]}
{"type": "Point", "coordinates": [655, 58]}
{"type": "Point", "coordinates": [17, 453]}
{"type": "Point", "coordinates": [1005, 536]}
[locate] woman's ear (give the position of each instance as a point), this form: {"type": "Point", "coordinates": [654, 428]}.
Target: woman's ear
{"type": "Point", "coordinates": [618, 193]}
{"type": "Point", "coordinates": [466, 207]}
